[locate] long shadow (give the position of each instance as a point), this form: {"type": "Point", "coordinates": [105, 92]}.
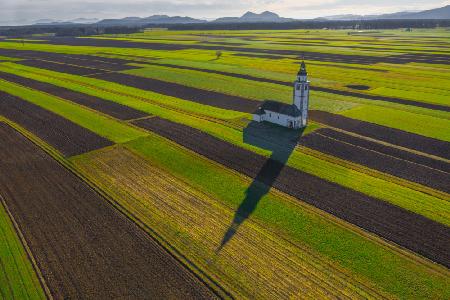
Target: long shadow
{"type": "Point", "coordinates": [281, 142]}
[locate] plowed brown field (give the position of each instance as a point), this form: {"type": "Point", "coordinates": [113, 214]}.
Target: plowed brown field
{"type": "Point", "coordinates": [84, 248]}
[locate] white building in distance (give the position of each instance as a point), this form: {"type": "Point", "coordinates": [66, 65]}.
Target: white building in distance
{"type": "Point", "coordinates": [288, 115]}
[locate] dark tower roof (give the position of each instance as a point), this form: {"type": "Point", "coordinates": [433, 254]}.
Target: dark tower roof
{"type": "Point", "coordinates": [302, 71]}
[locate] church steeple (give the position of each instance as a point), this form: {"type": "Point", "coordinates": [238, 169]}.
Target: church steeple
{"type": "Point", "coordinates": [302, 75]}
{"type": "Point", "coordinates": [301, 93]}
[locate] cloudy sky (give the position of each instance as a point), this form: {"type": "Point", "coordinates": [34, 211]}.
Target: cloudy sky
{"type": "Point", "coordinates": [26, 11]}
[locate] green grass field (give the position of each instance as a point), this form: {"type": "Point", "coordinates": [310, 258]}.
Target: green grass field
{"type": "Point", "coordinates": [17, 277]}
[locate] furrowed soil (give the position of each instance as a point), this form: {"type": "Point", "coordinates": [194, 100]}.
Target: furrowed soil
{"type": "Point", "coordinates": [104, 63]}
{"type": "Point", "coordinates": [84, 247]}
{"type": "Point", "coordinates": [254, 264]}
{"type": "Point", "coordinates": [410, 230]}
{"type": "Point", "coordinates": [388, 150]}
{"type": "Point", "coordinates": [183, 92]}
{"type": "Point", "coordinates": [59, 67]}
{"type": "Point", "coordinates": [400, 168]}
{"type": "Point", "coordinates": [67, 137]}
{"type": "Point", "coordinates": [385, 134]}
{"type": "Point", "coordinates": [113, 109]}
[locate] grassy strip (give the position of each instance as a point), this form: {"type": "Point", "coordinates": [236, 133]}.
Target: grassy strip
{"type": "Point", "coordinates": [423, 125]}
{"type": "Point", "coordinates": [401, 195]}
{"type": "Point", "coordinates": [18, 279]}
{"type": "Point", "coordinates": [387, 269]}
{"type": "Point", "coordinates": [102, 125]}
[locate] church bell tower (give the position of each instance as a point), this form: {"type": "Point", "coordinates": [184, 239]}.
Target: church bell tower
{"type": "Point", "coordinates": [301, 93]}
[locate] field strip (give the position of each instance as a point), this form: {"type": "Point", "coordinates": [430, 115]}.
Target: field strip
{"type": "Point", "coordinates": [165, 204]}
{"type": "Point", "coordinates": [29, 254]}
{"type": "Point", "coordinates": [154, 275]}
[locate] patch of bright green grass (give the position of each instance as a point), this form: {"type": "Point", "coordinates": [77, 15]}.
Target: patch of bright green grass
{"type": "Point", "coordinates": [103, 126]}
{"type": "Point", "coordinates": [17, 277]}
{"type": "Point", "coordinates": [424, 125]}
{"type": "Point", "coordinates": [388, 270]}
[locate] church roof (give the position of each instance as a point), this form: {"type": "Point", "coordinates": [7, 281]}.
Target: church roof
{"type": "Point", "coordinates": [278, 107]}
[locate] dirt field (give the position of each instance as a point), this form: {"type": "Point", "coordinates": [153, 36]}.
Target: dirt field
{"type": "Point", "coordinates": [391, 151]}
{"type": "Point", "coordinates": [59, 67]}
{"type": "Point", "coordinates": [405, 228]}
{"type": "Point", "coordinates": [107, 107]}
{"type": "Point", "coordinates": [386, 134]}
{"type": "Point", "coordinates": [366, 157]}
{"type": "Point", "coordinates": [106, 63]}
{"type": "Point", "coordinates": [67, 137]}
{"type": "Point", "coordinates": [83, 246]}
{"type": "Point", "coordinates": [183, 92]}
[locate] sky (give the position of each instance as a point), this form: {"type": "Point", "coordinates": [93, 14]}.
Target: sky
{"type": "Point", "coordinates": [16, 12]}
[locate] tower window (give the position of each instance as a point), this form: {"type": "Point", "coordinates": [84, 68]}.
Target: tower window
{"type": "Point", "coordinates": [306, 87]}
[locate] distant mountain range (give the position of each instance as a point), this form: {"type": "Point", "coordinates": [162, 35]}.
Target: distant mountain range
{"type": "Point", "coordinates": [58, 22]}
{"type": "Point", "coordinates": [156, 19]}
{"type": "Point", "coordinates": [250, 17]}
{"type": "Point", "coordinates": [437, 13]}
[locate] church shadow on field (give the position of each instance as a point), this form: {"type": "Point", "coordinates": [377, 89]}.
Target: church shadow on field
{"type": "Point", "coordinates": [281, 142]}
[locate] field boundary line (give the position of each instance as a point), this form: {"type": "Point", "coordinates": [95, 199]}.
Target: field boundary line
{"type": "Point", "coordinates": [197, 272]}
{"type": "Point", "coordinates": [27, 249]}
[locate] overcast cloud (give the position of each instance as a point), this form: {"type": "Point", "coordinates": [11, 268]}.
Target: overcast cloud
{"type": "Point", "coordinates": [27, 11]}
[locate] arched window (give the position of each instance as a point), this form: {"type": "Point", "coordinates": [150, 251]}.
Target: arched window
{"type": "Point", "coordinates": [306, 87]}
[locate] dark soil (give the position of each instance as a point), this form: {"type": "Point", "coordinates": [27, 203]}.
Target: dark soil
{"type": "Point", "coordinates": [67, 137]}
{"type": "Point", "coordinates": [113, 64]}
{"type": "Point", "coordinates": [59, 67]}
{"type": "Point", "coordinates": [386, 134]}
{"type": "Point", "coordinates": [387, 164]}
{"type": "Point", "coordinates": [107, 107]}
{"type": "Point", "coordinates": [410, 230]}
{"type": "Point", "coordinates": [391, 151]}
{"type": "Point", "coordinates": [358, 87]}
{"type": "Point", "coordinates": [84, 247]}
{"type": "Point", "coordinates": [183, 92]}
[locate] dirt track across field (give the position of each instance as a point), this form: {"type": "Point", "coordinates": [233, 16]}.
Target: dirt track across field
{"type": "Point", "coordinates": [383, 133]}
{"type": "Point", "coordinates": [384, 163]}
{"type": "Point", "coordinates": [410, 230]}
{"type": "Point", "coordinates": [58, 67]}
{"type": "Point", "coordinates": [84, 248]}
{"type": "Point", "coordinates": [107, 107]}
{"type": "Point", "coordinates": [183, 92]}
{"type": "Point", "coordinates": [67, 137]}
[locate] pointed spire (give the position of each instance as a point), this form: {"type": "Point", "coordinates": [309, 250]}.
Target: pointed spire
{"type": "Point", "coordinates": [302, 71]}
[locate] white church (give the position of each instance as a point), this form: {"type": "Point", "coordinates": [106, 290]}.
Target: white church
{"type": "Point", "coordinates": [288, 115]}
